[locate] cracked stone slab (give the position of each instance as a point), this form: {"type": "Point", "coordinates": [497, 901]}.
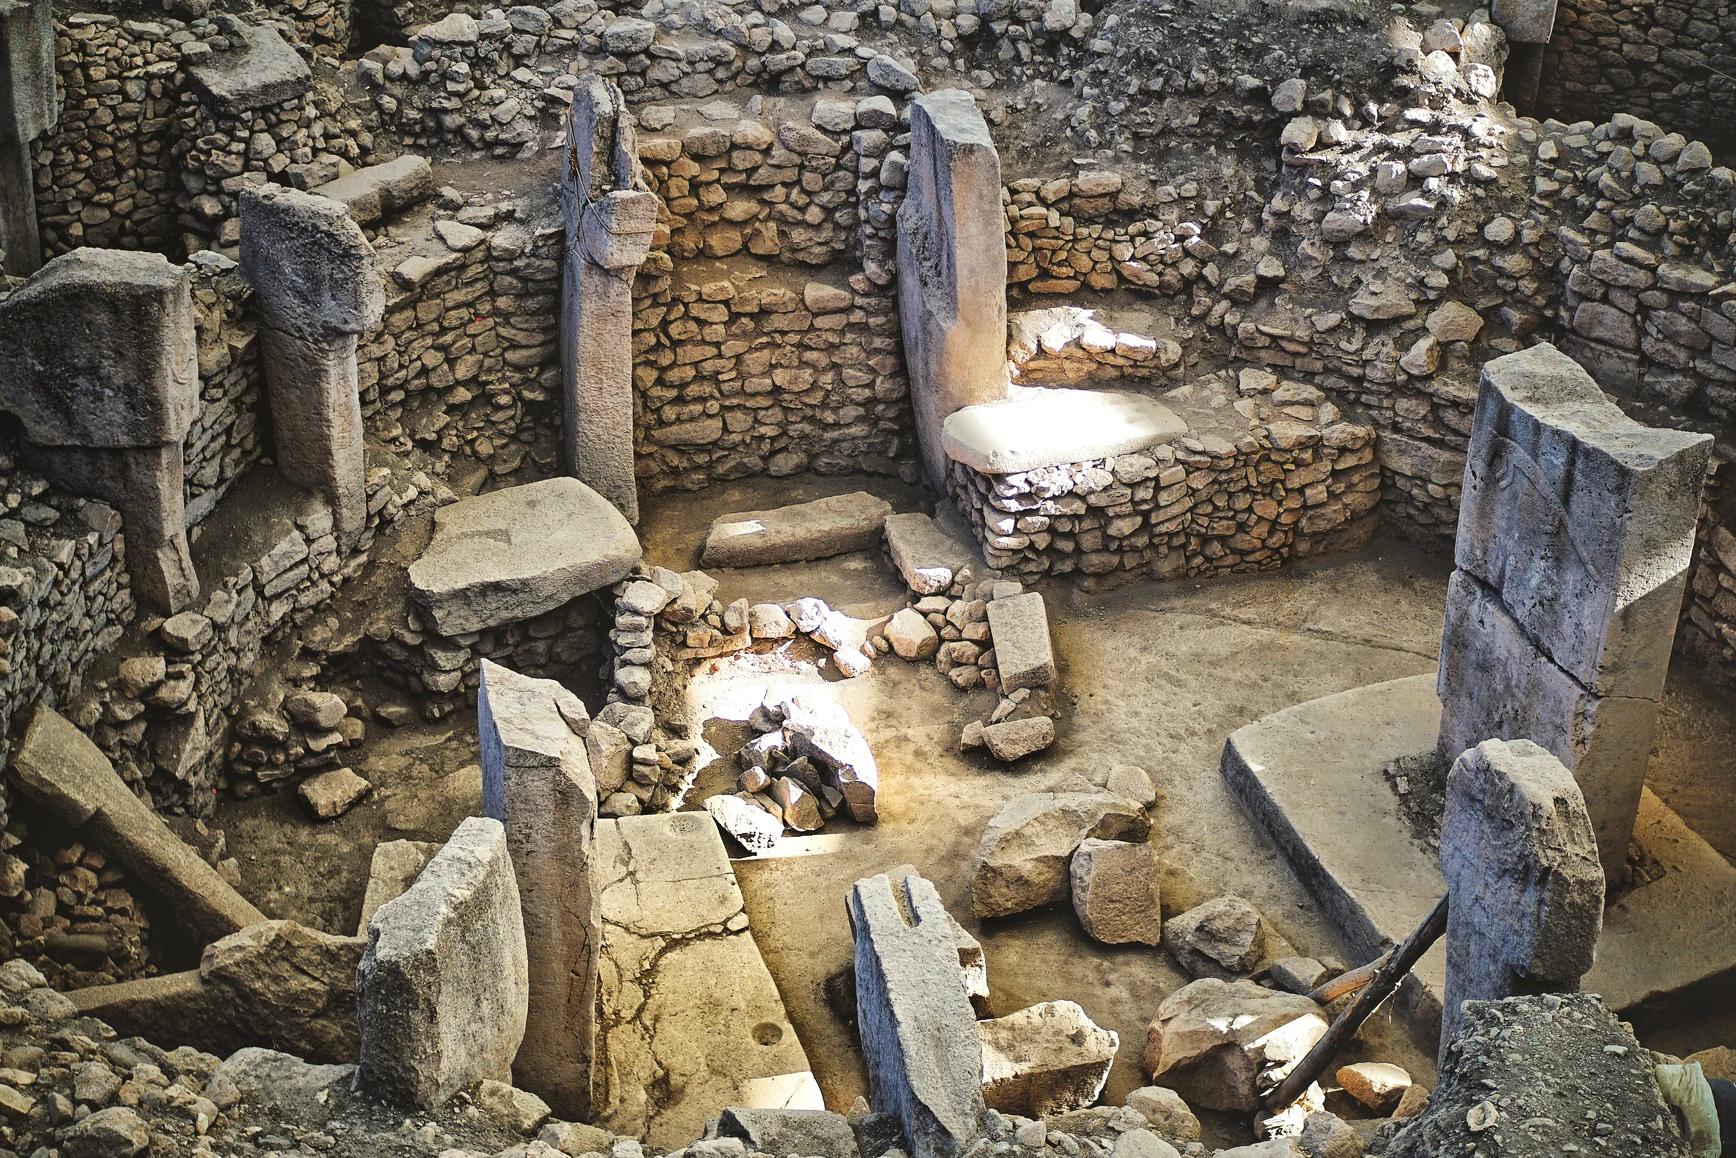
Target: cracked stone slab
{"type": "Point", "coordinates": [819, 529]}
{"type": "Point", "coordinates": [692, 1021]}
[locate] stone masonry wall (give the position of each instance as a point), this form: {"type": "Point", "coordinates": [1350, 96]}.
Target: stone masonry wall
{"type": "Point", "coordinates": [227, 437]}
{"type": "Point", "coordinates": [1673, 61]}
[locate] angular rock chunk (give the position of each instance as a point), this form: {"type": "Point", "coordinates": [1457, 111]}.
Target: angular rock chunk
{"type": "Point", "coordinates": [444, 987]}
{"type": "Point", "coordinates": [1023, 856]}
{"type": "Point", "coordinates": [395, 866]}
{"type": "Point", "coordinates": [1012, 740]}
{"type": "Point", "coordinates": [811, 530]}
{"type": "Point", "coordinates": [1211, 1039]}
{"type": "Point", "coordinates": [1023, 653]}
{"type": "Point", "coordinates": [753, 827]}
{"type": "Point", "coordinates": [1167, 1112]}
{"type": "Point", "coordinates": [1224, 937]}
{"type": "Point", "coordinates": [515, 553]}
{"type": "Point", "coordinates": [781, 1131]}
{"type": "Point", "coordinates": [1047, 1059]}
{"type": "Point", "coordinates": [822, 731]}
{"type": "Point", "coordinates": [919, 1035]}
{"type": "Point", "coordinates": [911, 635]}
{"type": "Point", "coordinates": [1116, 892]}
{"type": "Point", "coordinates": [1377, 1085]}
{"type": "Point", "coordinates": [926, 556]}
{"type": "Point", "coordinates": [376, 191]}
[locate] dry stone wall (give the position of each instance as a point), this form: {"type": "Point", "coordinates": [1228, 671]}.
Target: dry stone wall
{"type": "Point", "coordinates": [227, 436]}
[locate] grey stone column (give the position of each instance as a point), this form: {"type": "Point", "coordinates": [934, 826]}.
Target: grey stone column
{"type": "Point", "coordinates": [1524, 889]}
{"type": "Point", "coordinates": [314, 277]}
{"type": "Point", "coordinates": [952, 267]}
{"type": "Point", "coordinates": [101, 368]}
{"type": "Point", "coordinates": [1576, 529]}
{"type": "Point", "coordinates": [29, 107]}
{"type": "Point", "coordinates": [536, 780]}
{"type": "Point", "coordinates": [610, 217]}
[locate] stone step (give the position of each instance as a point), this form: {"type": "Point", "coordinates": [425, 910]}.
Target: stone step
{"type": "Point", "coordinates": [812, 530]}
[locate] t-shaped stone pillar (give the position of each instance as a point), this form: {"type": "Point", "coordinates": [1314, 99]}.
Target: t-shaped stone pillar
{"type": "Point", "coordinates": [100, 365]}
{"type": "Point", "coordinates": [314, 277]}
{"type": "Point", "coordinates": [1524, 890]}
{"type": "Point", "coordinates": [29, 107]}
{"type": "Point", "coordinates": [537, 781]}
{"type": "Point", "coordinates": [610, 217]}
{"type": "Point", "coordinates": [1575, 532]}
{"type": "Point", "coordinates": [952, 267]}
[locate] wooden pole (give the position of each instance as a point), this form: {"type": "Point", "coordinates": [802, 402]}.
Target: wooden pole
{"type": "Point", "coordinates": [1389, 971]}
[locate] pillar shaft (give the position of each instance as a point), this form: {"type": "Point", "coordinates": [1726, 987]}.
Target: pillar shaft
{"type": "Point", "coordinates": [19, 236]}
{"type": "Point", "coordinates": [316, 419]}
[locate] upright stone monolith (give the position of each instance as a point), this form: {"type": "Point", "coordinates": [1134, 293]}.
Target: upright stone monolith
{"type": "Point", "coordinates": [29, 107]}
{"type": "Point", "coordinates": [99, 363]}
{"type": "Point", "coordinates": [1575, 532]}
{"type": "Point", "coordinates": [536, 780]}
{"type": "Point", "coordinates": [919, 1033]}
{"type": "Point", "coordinates": [610, 217]}
{"type": "Point", "coordinates": [952, 267]}
{"type": "Point", "coordinates": [1524, 888]}
{"type": "Point", "coordinates": [314, 276]}
{"type": "Point", "coordinates": [443, 991]}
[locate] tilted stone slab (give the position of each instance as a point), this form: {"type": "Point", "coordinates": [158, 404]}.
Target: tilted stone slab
{"type": "Point", "coordinates": [925, 555]}
{"type": "Point", "coordinates": [376, 191]}
{"type": "Point", "coordinates": [1038, 427]}
{"type": "Point", "coordinates": [536, 780]}
{"type": "Point", "coordinates": [919, 1035]}
{"type": "Point", "coordinates": [1019, 627]}
{"type": "Point", "coordinates": [1524, 885]}
{"type": "Point", "coordinates": [394, 868]}
{"type": "Point", "coordinates": [64, 773]}
{"type": "Point", "coordinates": [444, 987]}
{"type": "Point", "coordinates": [512, 554]}
{"type": "Point", "coordinates": [1047, 1059]}
{"type": "Point", "coordinates": [1526, 21]}
{"type": "Point", "coordinates": [813, 530]}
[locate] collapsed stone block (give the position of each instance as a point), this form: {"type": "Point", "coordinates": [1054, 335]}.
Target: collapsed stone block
{"type": "Point", "coordinates": [1047, 1059]}
{"type": "Point", "coordinates": [1212, 1040]}
{"type": "Point", "coordinates": [784, 1131]}
{"type": "Point", "coordinates": [813, 530]}
{"type": "Point", "coordinates": [444, 986]}
{"type": "Point", "coordinates": [919, 1036]}
{"type": "Point", "coordinates": [1524, 885]}
{"type": "Point", "coordinates": [1525, 21]}
{"type": "Point", "coordinates": [1024, 656]}
{"type": "Point", "coordinates": [103, 374]}
{"type": "Point", "coordinates": [925, 555]}
{"type": "Point", "coordinates": [1023, 856]}
{"type": "Point", "coordinates": [1575, 534]}
{"type": "Point", "coordinates": [821, 730]}
{"type": "Point", "coordinates": [317, 285]}
{"type": "Point", "coordinates": [536, 780]}
{"type": "Point", "coordinates": [262, 69]}
{"type": "Point", "coordinates": [610, 215]}
{"type": "Point", "coordinates": [952, 262]}
{"type": "Point", "coordinates": [1116, 892]}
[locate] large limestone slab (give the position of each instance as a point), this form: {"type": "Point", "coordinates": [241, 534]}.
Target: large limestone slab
{"type": "Point", "coordinates": [952, 264]}
{"type": "Point", "coordinates": [1024, 656]}
{"type": "Point", "coordinates": [813, 530]}
{"type": "Point", "coordinates": [1047, 1059]}
{"type": "Point", "coordinates": [919, 1036]}
{"type": "Point", "coordinates": [1038, 428]}
{"type": "Point", "coordinates": [376, 191]}
{"type": "Point", "coordinates": [394, 868]}
{"type": "Point", "coordinates": [536, 780]}
{"type": "Point", "coordinates": [512, 554]}
{"type": "Point", "coordinates": [443, 991]}
{"type": "Point", "coordinates": [925, 555]}
{"type": "Point", "coordinates": [59, 769]}
{"type": "Point", "coordinates": [260, 69]}
{"type": "Point", "coordinates": [692, 1020]}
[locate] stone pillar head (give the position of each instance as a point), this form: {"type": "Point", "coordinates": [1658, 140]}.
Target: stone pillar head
{"type": "Point", "coordinates": [29, 103]}
{"type": "Point", "coordinates": [312, 269]}
{"type": "Point", "coordinates": [602, 148]}
{"type": "Point", "coordinates": [101, 351]}
{"type": "Point", "coordinates": [618, 227]}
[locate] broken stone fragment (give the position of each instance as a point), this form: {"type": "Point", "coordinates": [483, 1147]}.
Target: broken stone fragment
{"type": "Point", "coordinates": [1167, 1113]}
{"type": "Point", "coordinates": [1024, 852]}
{"type": "Point", "coordinates": [1299, 974]}
{"type": "Point", "coordinates": [821, 730]}
{"type": "Point", "coordinates": [331, 794]}
{"type": "Point", "coordinates": [1376, 1085]}
{"type": "Point", "coordinates": [811, 530]}
{"type": "Point", "coordinates": [1047, 1059]}
{"type": "Point", "coordinates": [1024, 656]}
{"type": "Point", "coordinates": [1116, 892]}
{"type": "Point", "coordinates": [787, 1131]}
{"type": "Point", "coordinates": [752, 827]}
{"type": "Point", "coordinates": [1211, 1040]}
{"type": "Point", "coordinates": [926, 557]}
{"type": "Point", "coordinates": [1224, 937]}
{"type": "Point", "coordinates": [769, 621]}
{"type": "Point", "coordinates": [911, 635]}
{"type": "Point", "coordinates": [1013, 740]}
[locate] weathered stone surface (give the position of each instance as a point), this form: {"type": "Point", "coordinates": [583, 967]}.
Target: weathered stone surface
{"type": "Point", "coordinates": [785, 1131]}
{"type": "Point", "coordinates": [1023, 654]}
{"type": "Point", "coordinates": [1167, 1112]}
{"type": "Point", "coordinates": [395, 866]}
{"type": "Point", "coordinates": [331, 794]}
{"type": "Point", "coordinates": [952, 260]}
{"type": "Point", "coordinates": [812, 530]}
{"type": "Point", "coordinates": [1224, 937]}
{"type": "Point", "coordinates": [67, 776]}
{"type": "Point", "coordinates": [1012, 740]}
{"type": "Point", "coordinates": [1116, 892]}
{"type": "Point", "coordinates": [443, 990]}
{"type": "Point", "coordinates": [675, 936]}
{"type": "Point", "coordinates": [373, 192]}
{"type": "Point", "coordinates": [1038, 428]}
{"type": "Point", "coordinates": [973, 966]}
{"type": "Point", "coordinates": [1023, 855]}
{"type": "Point", "coordinates": [1575, 533]}
{"type": "Point", "coordinates": [821, 730]}
{"type": "Point", "coordinates": [261, 69]}
{"type": "Point", "coordinates": [1525, 21]}
{"type": "Point", "coordinates": [926, 556]}
{"type": "Point", "coordinates": [1525, 887]}
{"type": "Point", "coordinates": [919, 1036]}
{"type": "Point", "coordinates": [1376, 1085]}
{"type": "Point", "coordinates": [512, 554]}
{"type": "Point", "coordinates": [29, 107]}
{"type": "Point", "coordinates": [911, 635]}
{"type": "Point", "coordinates": [1047, 1059]}
{"type": "Point", "coordinates": [536, 780]}
{"type": "Point", "coordinates": [1211, 1039]}
{"type": "Point", "coordinates": [753, 827]}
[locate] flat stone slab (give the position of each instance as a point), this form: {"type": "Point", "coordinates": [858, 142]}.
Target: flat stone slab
{"type": "Point", "coordinates": [1019, 627]}
{"type": "Point", "coordinates": [692, 1021]}
{"type": "Point", "coordinates": [375, 191]}
{"type": "Point", "coordinates": [265, 71]}
{"type": "Point", "coordinates": [512, 554]}
{"type": "Point", "coordinates": [1038, 428]}
{"type": "Point", "coordinates": [1295, 770]}
{"type": "Point", "coordinates": [925, 555]}
{"type": "Point", "coordinates": [813, 530]}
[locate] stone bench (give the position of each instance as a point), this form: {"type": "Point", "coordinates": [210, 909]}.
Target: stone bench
{"type": "Point", "coordinates": [1035, 428]}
